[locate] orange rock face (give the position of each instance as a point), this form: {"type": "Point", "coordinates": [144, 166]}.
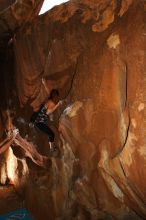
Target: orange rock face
{"type": "Point", "coordinates": [94, 53]}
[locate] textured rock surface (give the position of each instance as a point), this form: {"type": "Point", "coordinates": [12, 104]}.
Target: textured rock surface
{"type": "Point", "coordinates": [94, 52]}
{"type": "Point", "coordinates": [15, 13]}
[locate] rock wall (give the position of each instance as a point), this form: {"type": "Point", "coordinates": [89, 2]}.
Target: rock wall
{"type": "Point", "coordinates": [15, 13]}
{"type": "Point", "coordinates": [94, 53]}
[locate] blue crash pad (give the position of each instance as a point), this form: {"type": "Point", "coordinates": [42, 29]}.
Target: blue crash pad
{"type": "Point", "coordinates": [20, 214]}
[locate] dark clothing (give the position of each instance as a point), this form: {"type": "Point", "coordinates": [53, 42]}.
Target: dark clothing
{"type": "Point", "coordinates": [44, 128]}
{"type": "Point", "coordinates": [40, 120]}
{"type": "Point", "coordinates": [40, 116]}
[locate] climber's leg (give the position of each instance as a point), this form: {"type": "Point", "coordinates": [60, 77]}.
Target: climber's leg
{"type": "Point", "coordinates": [44, 128]}
{"type": "Point", "coordinates": [54, 151]}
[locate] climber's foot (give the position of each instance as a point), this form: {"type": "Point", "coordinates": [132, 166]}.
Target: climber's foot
{"type": "Point", "coordinates": [54, 151]}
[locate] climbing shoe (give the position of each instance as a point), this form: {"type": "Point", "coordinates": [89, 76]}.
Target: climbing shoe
{"type": "Point", "coordinates": [54, 151]}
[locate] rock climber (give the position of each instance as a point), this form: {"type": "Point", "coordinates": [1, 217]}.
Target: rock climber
{"type": "Point", "coordinates": [40, 118]}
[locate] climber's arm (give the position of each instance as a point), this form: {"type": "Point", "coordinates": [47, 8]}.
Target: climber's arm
{"type": "Point", "coordinates": [53, 107]}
